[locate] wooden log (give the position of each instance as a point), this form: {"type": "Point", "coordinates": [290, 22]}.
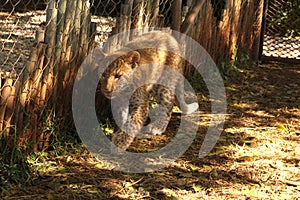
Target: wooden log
{"type": "Point", "coordinates": [78, 23]}
{"type": "Point", "coordinates": [137, 17]}
{"type": "Point", "coordinates": [33, 97]}
{"type": "Point", "coordinates": [9, 111]}
{"type": "Point", "coordinates": [25, 89]}
{"type": "Point", "coordinates": [147, 13]}
{"type": "Point", "coordinates": [215, 44]}
{"type": "Point", "coordinates": [40, 35]}
{"type": "Point", "coordinates": [124, 26]}
{"type": "Point", "coordinates": [51, 21]}
{"type": "Point", "coordinates": [248, 25]}
{"type": "Point", "coordinates": [176, 15]}
{"type": "Point", "coordinates": [77, 49]}
{"type": "Point", "coordinates": [65, 54]}
{"type": "Point", "coordinates": [210, 22]}
{"type": "Point", "coordinates": [18, 86]}
{"type": "Point", "coordinates": [36, 103]}
{"type": "Point", "coordinates": [186, 9]}
{"type": "Point", "coordinates": [66, 36]}
{"type": "Point", "coordinates": [224, 35]}
{"type": "Point", "coordinates": [62, 5]}
{"type": "Point", "coordinates": [50, 40]}
{"type": "Point", "coordinates": [235, 7]}
{"type": "Point", "coordinates": [197, 33]}
{"type": "Point", "coordinates": [78, 54]}
{"type": "Point", "coordinates": [107, 46]}
{"type": "Point", "coordinates": [92, 37]}
{"type": "Point", "coordinates": [71, 37]}
{"type": "Point", "coordinates": [26, 94]}
{"type": "Point", "coordinates": [259, 7]}
{"type": "Point", "coordinates": [5, 95]}
{"type": "Point", "coordinates": [129, 11]}
{"type": "Point", "coordinates": [154, 12]}
{"type": "Point", "coordinates": [68, 63]}
{"type": "Point", "coordinates": [88, 31]}
{"type": "Point", "coordinates": [242, 34]}
{"type": "Point", "coordinates": [160, 21]}
{"type": "Point", "coordinates": [191, 16]}
{"type": "Point", "coordinates": [34, 129]}
{"type": "Point", "coordinates": [36, 78]}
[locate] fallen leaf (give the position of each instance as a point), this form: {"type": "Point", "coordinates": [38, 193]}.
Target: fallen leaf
{"type": "Point", "coordinates": [214, 173]}
{"type": "Point", "coordinates": [100, 165]}
{"type": "Point", "coordinates": [186, 175]}
{"type": "Point", "coordinates": [281, 127]}
{"type": "Point", "coordinates": [246, 159]}
{"type": "Point", "coordinates": [197, 188]}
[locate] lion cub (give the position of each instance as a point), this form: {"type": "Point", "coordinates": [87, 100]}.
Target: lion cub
{"type": "Point", "coordinates": [148, 67]}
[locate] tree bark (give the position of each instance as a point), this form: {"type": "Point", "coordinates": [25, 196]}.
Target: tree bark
{"type": "Point", "coordinates": [191, 16]}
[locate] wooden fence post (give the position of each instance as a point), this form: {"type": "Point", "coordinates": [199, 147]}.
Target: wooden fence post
{"type": "Point", "coordinates": [6, 104]}
{"type": "Point", "coordinates": [176, 15]}
{"type": "Point", "coordinates": [257, 26]}
{"type": "Point", "coordinates": [191, 16]}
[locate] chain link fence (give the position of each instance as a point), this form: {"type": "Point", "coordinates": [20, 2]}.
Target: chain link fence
{"type": "Point", "coordinates": [282, 34]}
{"type": "Point", "coordinates": [22, 21]}
{"type": "Point", "coordinates": [43, 43]}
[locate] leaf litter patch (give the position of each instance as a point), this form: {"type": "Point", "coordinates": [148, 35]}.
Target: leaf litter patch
{"type": "Point", "coordinates": [256, 157]}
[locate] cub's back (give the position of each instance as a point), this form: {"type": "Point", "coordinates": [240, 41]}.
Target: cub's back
{"type": "Point", "coordinates": [157, 47]}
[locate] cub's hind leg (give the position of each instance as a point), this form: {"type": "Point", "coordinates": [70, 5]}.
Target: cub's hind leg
{"type": "Point", "coordinates": [138, 114]}
{"type": "Point", "coordinates": [180, 100]}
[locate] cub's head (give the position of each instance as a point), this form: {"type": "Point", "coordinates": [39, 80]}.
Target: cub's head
{"type": "Point", "coordinates": [121, 66]}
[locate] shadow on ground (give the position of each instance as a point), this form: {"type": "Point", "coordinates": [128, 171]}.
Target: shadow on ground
{"type": "Point", "coordinates": [256, 156]}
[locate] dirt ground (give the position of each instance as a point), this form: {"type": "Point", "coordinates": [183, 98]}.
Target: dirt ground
{"type": "Point", "coordinates": [256, 157]}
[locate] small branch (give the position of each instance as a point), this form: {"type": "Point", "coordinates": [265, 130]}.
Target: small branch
{"type": "Point", "coordinates": [191, 16]}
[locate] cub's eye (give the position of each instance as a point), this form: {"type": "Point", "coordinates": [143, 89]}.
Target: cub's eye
{"type": "Point", "coordinates": [117, 76]}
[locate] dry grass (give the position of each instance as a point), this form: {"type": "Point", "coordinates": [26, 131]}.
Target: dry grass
{"type": "Point", "coordinates": [257, 156]}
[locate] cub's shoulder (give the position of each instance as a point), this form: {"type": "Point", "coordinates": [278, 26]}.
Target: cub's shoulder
{"type": "Point", "coordinates": [155, 39]}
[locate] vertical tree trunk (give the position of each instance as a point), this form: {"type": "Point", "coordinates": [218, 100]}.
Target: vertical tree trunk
{"type": "Point", "coordinates": [4, 103]}
{"type": "Point", "coordinates": [154, 13]}
{"type": "Point", "coordinates": [137, 16]}
{"type": "Point", "coordinates": [50, 40]}
{"type": "Point", "coordinates": [191, 16]}
{"type": "Point", "coordinates": [62, 6]}
{"type": "Point", "coordinates": [176, 15]}
{"type": "Point", "coordinates": [257, 29]}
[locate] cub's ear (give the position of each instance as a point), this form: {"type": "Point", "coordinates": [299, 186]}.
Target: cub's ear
{"type": "Point", "coordinates": [133, 58]}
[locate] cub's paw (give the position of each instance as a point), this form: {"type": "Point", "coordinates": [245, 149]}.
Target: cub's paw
{"type": "Point", "coordinates": [122, 140]}
{"type": "Point", "coordinates": [151, 129]}
{"type": "Point", "coordinates": [190, 108]}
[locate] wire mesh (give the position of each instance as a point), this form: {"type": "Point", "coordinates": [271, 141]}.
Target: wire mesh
{"type": "Point", "coordinates": [21, 20]}
{"type": "Point", "coordinates": [282, 35]}
{"type": "Point", "coordinates": [43, 42]}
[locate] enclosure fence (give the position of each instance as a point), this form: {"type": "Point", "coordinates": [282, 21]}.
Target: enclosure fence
{"type": "Point", "coordinates": [41, 52]}
{"type": "Point", "coordinates": [282, 34]}
{"type": "Point", "coordinates": [44, 42]}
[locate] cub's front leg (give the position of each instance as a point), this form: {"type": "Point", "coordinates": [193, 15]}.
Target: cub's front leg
{"type": "Point", "coordinates": [161, 115]}
{"type": "Point", "coordinates": [139, 108]}
{"type": "Point", "coordinates": [120, 114]}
